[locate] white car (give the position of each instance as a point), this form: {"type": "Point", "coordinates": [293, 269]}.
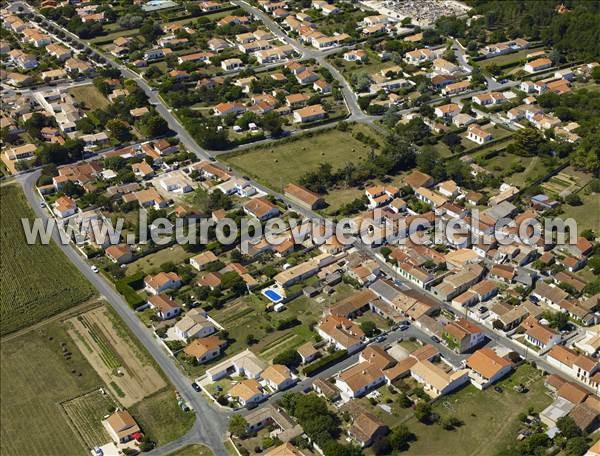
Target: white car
{"type": "Point", "coordinates": [94, 269]}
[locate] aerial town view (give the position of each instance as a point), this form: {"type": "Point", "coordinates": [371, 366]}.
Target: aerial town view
{"type": "Point", "coordinates": [300, 227]}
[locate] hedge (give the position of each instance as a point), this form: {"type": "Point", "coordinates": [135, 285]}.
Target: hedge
{"type": "Point", "coordinates": [325, 362]}
{"type": "Point", "coordinates": [126, 288]}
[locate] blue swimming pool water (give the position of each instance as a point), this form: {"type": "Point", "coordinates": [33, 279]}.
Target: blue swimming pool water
{"type": "Point", "coordinates": [272, 295]}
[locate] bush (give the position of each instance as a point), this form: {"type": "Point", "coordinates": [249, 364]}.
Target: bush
{"type": "Point", "coordinates": [126, 288]}
{"type": "Point", "coordinates": [324, 362]}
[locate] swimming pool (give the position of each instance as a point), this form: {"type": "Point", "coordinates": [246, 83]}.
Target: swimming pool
{"type": "Point", "coordinates": [272, 295]}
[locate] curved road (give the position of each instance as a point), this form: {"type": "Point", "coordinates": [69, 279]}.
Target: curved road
{"type": "Point", "coordinates": [211, 425]}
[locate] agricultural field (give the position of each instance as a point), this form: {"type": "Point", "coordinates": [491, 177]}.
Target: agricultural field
{"type": "Point", "coordinates": [89, 97]}
{"type": "Point", "coordinates": [490, 418]}
{"type": "Point", "coordinates": [36, 377]}
{"type": "Point", "coordinates": [38, 281]}
{"type": "Point", "coordinates": [128, 373]}
{"type": "Point", "coordinates": [283, 162]}
{"type": "Point", "coordinates": [566, 182]}
{"type": "Point", "coordinates": [86, 413]}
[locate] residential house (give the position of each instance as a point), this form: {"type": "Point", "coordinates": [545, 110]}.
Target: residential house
{"type": "Point", "coordinates": [261, 208]}
{"type": "Point", "coordinates": [194, 323]}
{"type": "Point", "coordinates": [122, 427]}
{"type": "Point", "coordinates": [248, 392]}
{"type": "Point", "coordinates": [309, 113]}
{"type": "Point", "coordinates": [205, 349]}
{"type": "Point", "coordinates": [366, 428]}
{"type": "Point", "coordinates": [487, 367]}
{"type": "Point", "coordinates": [165, 306]}
{"type": "Point", "coordinates": [437, 381]}
{"type": "Point", "coordinates": [341, 332]}
{"type": "Point", "coordinates": [462, 336]}
{"type": "Point", "coordinates": [278, 377]}
{"type": "Point", "coordinates": [161, 282]}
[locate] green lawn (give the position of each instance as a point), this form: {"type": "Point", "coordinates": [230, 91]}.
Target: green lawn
{"type": "Point", "coordinates": [161, 418]}
{"type": "Point", "coordinates": [281, 163]}
{"type": "Point", "coordinates": [516, 170]}
{"type": "Point", "coordinates": [38, 281]}
{"type": "Point", "coordinates": [490, 418]}
{"type": "Point", "coordinates": [35, 378]}
{"type": "Point", "coordinates": [192, 450]}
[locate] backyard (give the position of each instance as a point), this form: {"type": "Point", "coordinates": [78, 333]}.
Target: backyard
{"type": "Point", "coordinates": [152, 262]}
{"type": "Point", "coordinates": [37, 280]}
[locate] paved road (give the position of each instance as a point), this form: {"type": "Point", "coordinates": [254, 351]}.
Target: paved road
{"type": "Point", "coordinates": [210, 426]}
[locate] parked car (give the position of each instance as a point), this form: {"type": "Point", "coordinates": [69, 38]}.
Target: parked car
{"type": "Point", "coordinates": [94, 268]}
{"type": "Point", "coordinates": [196, 387]}
{"type": "Point", "coordinates": [436, 339]}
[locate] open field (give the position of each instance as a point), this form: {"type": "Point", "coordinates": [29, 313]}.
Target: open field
{"type": "Point", "coordinates": [490, 418]}
{"type": "Point", "coordinates": [35, 378]}
{"type": "Point", "coordinates": [86, 413]}
{"type": "Point", "coordinates": [161, 418]}
{"type": "Point", "coordinates": [151, 263]}
{"type": "Point", "coordinates": [192, 450]}
{"type": "Point", "coordinates": [509, 58]}
{"type": "Point", "coordinates": [89, 96]}
{"type": "Point", "coordinates": [128, 374]}
{"type": "Point", "coordinates": [284, 162]}
{"type": "Point", "coordinates": [586, 215]}
{"type": "Point", "coordinates": [37, 280]}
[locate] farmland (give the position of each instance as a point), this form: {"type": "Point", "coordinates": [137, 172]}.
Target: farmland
{"type": "Point", "coordinates": [86, 413]}
{"type": "Point", "coordinates": [37, 280]}
{"type": "Point", "coordinates": [126, 371]}
{"type": "Point", "coordinates": [36, 377]}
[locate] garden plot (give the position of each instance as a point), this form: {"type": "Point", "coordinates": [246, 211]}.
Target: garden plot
{"type": "Point", "coordinates": [130, 377]}
{"type": "Point", "coordinates": [86, 413]}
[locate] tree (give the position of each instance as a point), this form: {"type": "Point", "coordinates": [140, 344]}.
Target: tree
{"type": "Point", "coordinates": [404, 401]}
{"type": "Point", "coordinates": [573, 199]}
{"type": "Point", "coordinates": [289, 358]}
{"type": "Point", "coordinates": [576, 446]}
{"type": "Point", "coordinates": [238, 426]}
{"type": "Point", "coordinates": [118, 130]}
{"type": "Point", "coordinates": [369, 328]}
{"type": "Point", "coordinates": [152, 125]}
{"type": "Point", "coordinates": [423, 412]}
{"type": "Point", "coordinates": [400, 437]}
{"type": "Point", "coordinates": [527, 142]}
{"type": "Point", "coordinates": [382, 446]}
{"type": "Point", "coordinates": [567, 427]}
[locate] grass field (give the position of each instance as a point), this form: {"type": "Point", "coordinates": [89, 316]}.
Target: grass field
{"type": "Point", "coordinates": [37, 280]}
{"type": "Point", "coordinates": [151, 263]}
{"type": "Point", "coordinates": [90, 97]}
{"type": "Point", "coordinates": [509, 58]}
{"type": "Point", "coordinates": [192, 450]}
{"type": "Point", "coordinates": [35, 379]}
{"type": "Point", "coordinates": [281, 163]}
{"type": "Point", "coordinates": [86, 413]}
{"type": "Point", "coordinates": [586, 215]}
{"type": "Point", "coordinates": [490, 418]}
{"type": "Point", "coordinates": [161, 418]}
